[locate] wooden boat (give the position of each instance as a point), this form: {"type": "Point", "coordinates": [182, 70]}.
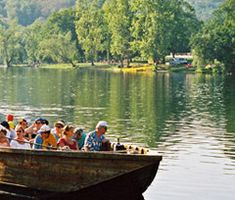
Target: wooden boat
{"type": "Point", "coordinates": [41, 174]}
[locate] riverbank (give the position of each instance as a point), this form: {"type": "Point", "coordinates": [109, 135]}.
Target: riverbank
{"type": "Point", "coordinates": [136, 68]}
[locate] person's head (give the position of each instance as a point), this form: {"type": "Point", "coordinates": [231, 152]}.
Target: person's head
{"type": "Point", "coordinates": [68, 130]}
{"type": "Point", "coordinates": [38, 123]}
{"type": "Point", "coordinates": [3, 132]}
{"type": "Point", "coordinates": [44, 131]}
{"type": "Point", "coordinates": [59, 125]}
{"type": "Point", "coordinates": [20, 132]}
{"type": "Point", "coordinates": [45, 121]}
{"type": "Point", "coordinates": [23, 123]}
{"type": "Point", "coordinates": [5, 124]}
{"type": "Point", "coordinates": [9, 117]}
{"type": "Point", "coordinates": [78, 133]}
{"type": "Point", "coordinates": [101, 127]}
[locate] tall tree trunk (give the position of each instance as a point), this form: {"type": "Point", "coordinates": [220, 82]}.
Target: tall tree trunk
{"type": "Point", "coordinates": [93, 57]}
{"type": "Point", "coordinates": [6, 59]}
{"type": "Point", "coordinates": [73, 64]}
{"type": "Point", "coordinates": [108, 57]}
{"type": "Point", "coordinates": [92, 62]}
{"type": "Point", "coordinates": [8, 63]}
{"type": "Point", "coordinates": [128, 62]}
{"type": "Point", "coordinates": [122, 63]}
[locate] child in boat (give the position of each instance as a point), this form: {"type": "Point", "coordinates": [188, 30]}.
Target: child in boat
{"type": "Point", "coordinates": [95, 139]}
{"type": "Point", "coordinates": [44, 139]}
{"type": "Point", "coordinates": [3, 139]}
{"type": "Point", "coordinates": [67, 140]}
{"type": "Point", "coordinates": [20, 142]}
{"type": "Point", "coordinates": [10, 120]}
{"type": "Point", "coordinates": [79, 136]}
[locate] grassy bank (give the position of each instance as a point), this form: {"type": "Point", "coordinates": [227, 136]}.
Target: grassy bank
{"type": "Point", "coordinates": [134, 67]}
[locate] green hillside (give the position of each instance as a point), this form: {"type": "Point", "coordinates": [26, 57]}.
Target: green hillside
{"type": "Point", "coordinates": [27, 11]}
{"type": "Point", "coordinates": [205, 8]}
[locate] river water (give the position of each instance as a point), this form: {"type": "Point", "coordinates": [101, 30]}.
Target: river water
{"type": "Point", "coordinates": [189, 119]}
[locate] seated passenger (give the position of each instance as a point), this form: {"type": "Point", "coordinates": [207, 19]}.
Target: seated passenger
{"type": "Point", "coordinates": [10, 120]}
{"type": "Point", "coordinates": [20, 142]}
{"type": "Point", "coordinates": [58, 130]}
{"type": "Point", "coordinates": [10, 132]}
{"type": "Point", "coordinates": [95, 139]}
{"type": "Point", "coordinates": [34, 128]}
{"type": "Point", "coordinates": [3, 139]}
{"type": "Point", "coordinates": [44, 139]}
{"type": "Point", "coordinates": [79, 136]}
{"type": "Point", "coordinates": [67, 140]}
{"type": "Point", "coordinates": [23, 123]}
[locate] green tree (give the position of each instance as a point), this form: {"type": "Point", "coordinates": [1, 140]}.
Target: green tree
{"type": "Point", "coordinates": [10, 45]}
{"type": "Point", "coordinates": [32, 37]}
{"type": "Point", "coordinates": [89, 27]}
{"type": "Point", "coordinates": [216, 40]}
{"type": "Point", "coordinates": [63, 22]}
{"type": "Point", "coordinates": [161, 27]}
{"type": "Point", "coordinates": [59, 48]}
{"type": "Point", "coordinates": [118, 17]}
{"type": "Point", "coordinates": [146, 28]}
{"type": "Point", "coordinates": [183, 24]}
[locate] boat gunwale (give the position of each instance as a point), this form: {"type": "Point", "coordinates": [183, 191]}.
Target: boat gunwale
{"type": "Point", "coordinates": [82, 154]}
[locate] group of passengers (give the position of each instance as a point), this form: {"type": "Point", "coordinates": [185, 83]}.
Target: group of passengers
{"type": "Point", "coordinates": [39, 135]}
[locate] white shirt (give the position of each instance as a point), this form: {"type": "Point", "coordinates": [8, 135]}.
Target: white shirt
{"type": "Point", "coordinates": [15, 144]}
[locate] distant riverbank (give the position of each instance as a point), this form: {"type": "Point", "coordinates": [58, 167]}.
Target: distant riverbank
{"type": "Point", "coordinates": [135, 67]}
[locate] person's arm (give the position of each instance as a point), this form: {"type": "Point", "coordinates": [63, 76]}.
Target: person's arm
{"type": "Point", "coordinates": [77, 147]}
{"type": "Point", "coordinates": [88, 146]}
{"type": "Point", "coordinates": [37, 142]}
{"type": "Point", "coordinates": [60, 143]}
{"type": "Point", "coordinates": [30, 131]}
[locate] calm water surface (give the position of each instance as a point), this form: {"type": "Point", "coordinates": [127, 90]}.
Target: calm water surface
{"type": "Point", "coordinates": [187, 118]}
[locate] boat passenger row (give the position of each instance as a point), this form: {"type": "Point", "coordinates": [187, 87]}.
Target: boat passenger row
{"type": "Point", "coordinates": [39, 135]}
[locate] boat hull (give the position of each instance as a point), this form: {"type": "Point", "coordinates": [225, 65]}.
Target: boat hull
{"type": "Point", "coordinates": [75, 175]}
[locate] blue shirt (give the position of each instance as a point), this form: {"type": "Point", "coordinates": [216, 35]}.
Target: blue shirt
{"type": "Point", "coordinates": [81, 140]}
{"type": "Point", "coordinates": [92, 142]}
{"type": "Point", "coordinates": [38, 142]}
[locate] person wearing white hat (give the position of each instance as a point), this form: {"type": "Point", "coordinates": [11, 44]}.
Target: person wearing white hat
{"type": "Point", "coordinates": [44, 139]}
{"type": "Point", "coordinates": [96, 138]}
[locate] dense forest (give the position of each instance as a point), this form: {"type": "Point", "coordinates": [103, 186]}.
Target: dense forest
{"type": "Point", "coordinates": [27, 11]}
{"type": "Point", "coordinates": [107, 30]}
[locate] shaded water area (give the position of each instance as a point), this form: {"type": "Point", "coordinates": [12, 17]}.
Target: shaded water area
{"type": "Point", "coordinates": [188, 119]}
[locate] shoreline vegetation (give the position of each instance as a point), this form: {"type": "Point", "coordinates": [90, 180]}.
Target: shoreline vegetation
{"type": "Point", "coordinates": [134, 67]}
{"type": "Point", "coordinates": [129, 39]}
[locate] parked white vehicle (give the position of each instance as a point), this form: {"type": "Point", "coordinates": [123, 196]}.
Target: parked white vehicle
{"type": "Point", "coordinates": [178, 61]}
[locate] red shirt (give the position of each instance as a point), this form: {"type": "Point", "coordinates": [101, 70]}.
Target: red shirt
{"type": "Point", "coordinates": [72, 146]}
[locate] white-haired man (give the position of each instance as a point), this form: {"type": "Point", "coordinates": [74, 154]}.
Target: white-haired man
{"type": "Point", "coordinates": [95, 139]}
